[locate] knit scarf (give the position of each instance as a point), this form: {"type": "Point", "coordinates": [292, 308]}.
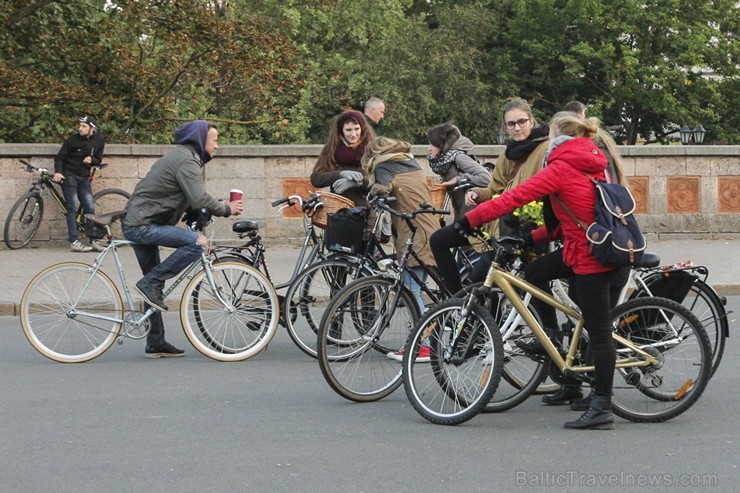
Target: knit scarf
{"type": "Point", "coordinates": [348, 156]}
{"type": "Point", "coordinates": [442, 162]}
{"type": "Point", "coordinates": [519, 150]}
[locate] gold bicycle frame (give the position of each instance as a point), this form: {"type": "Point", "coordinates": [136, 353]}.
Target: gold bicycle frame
{"type": "Point", "coordinates": [507, 282]}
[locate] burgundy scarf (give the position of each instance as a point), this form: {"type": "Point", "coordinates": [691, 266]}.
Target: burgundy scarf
{"type": "Point", "coordinates": [349, 156]}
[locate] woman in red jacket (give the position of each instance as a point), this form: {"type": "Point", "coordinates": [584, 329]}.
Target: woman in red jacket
{"type": "Point", "coordinates": [572, 156]}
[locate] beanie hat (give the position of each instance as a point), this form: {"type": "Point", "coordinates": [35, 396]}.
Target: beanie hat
{"type": "Point", "coordinates": [90, 120]}
{"type": "Point", "coordinates": [443, 136]}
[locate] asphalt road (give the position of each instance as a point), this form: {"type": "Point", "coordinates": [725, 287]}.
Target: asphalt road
{"type": "Point", "coordinates": [124, 423]}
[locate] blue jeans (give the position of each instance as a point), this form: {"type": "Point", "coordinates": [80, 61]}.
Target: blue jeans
{"type": "Point", "coordinates": [77, 189]}
{"type": "Point", "coordinates": [414, 286]}
{"type": "Point", "coordinates": [148, 240]}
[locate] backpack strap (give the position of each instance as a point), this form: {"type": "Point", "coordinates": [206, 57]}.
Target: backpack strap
{"type": "Point", "coordinates": [580, 223]}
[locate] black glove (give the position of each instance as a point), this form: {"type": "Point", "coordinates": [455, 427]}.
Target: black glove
{"type": "Point", "coordinates": [462, 226]}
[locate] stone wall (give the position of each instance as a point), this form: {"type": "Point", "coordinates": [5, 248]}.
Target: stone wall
{"type": "Point", "coordinates": [688, 190]}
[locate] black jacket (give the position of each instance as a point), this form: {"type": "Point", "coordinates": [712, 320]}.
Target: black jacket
{"type": "Point", "coordinates": [69, 158]}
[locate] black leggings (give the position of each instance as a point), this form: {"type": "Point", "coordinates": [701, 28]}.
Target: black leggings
{"type": "Point", "coordinates": [596, 295]}
{"type": "Point", "coordinates": [442, 242]}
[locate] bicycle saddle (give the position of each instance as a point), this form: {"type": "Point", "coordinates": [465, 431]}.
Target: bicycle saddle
{"type": "Point", "coordinates": [245, 226]}
{"type": "Point", "coordinates": [104, 219]}
{"type": "Point", "coordinates": [649, 259]}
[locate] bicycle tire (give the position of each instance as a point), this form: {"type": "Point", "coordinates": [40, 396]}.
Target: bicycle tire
{"type": "Point", "coordinates": [309, 294]}
{"type": "Point", "coordinates": [354, 338]}
{"type": "Point", "coordinates": [235, 332]}
{"type": "Point", "coordinates": [463, 373]}
{"type": "Point", "coordinates": [21, 224]}
{"type": "Point", "coordinates": [706, 304]}
{"type": "Point", "coordinates": [522, 374]}
{"type": "Point", "coordinates": [107, 201]}
{"type": "Point", "coordinates": [54, 307]}
{"type": "Point", "coordinates": [674, 336]}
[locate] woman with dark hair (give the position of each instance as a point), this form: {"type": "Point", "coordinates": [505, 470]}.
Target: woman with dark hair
{"type": "Point", "coordinates": [339, 164]}
{"type": "Point", "coordinates": [521, 159]}
{"type": "Point", "coordinates": [450, 156]}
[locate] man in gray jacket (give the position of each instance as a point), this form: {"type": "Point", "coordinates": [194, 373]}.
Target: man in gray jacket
{"type": "Point", "coordinates": [175, 182]}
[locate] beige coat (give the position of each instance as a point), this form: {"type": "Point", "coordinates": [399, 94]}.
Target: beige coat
{"type": "Point", "coordinates": [410, 190]}
{"type": "Point", "coordinates": [508, 174]}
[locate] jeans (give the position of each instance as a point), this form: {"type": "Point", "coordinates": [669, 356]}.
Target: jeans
{"type": "Point", "coordinates": [414, 286]}
{"type": "Point", "coordinates": [76, 190]}
{"type": "Point", "coordinates": [148, 239]}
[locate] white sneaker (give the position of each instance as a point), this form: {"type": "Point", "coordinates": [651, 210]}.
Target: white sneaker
{"type": "Point", "coordinates": [77, 246]}
{"type": "Point", "coordinates": [98, 245]}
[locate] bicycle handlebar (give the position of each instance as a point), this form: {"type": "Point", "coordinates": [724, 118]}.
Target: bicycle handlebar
{"type": "Point", "coordinates": [381, 201]}
{"type": "Point", "coordinates": [30, 168]}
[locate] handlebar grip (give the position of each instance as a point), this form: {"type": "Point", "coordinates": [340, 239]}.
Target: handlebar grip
{"type": "Point", "coordinates": [281, 201]}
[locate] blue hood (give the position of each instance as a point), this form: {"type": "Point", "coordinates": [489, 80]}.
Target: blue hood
{"type": "Point", "coordinates": [194, 133]}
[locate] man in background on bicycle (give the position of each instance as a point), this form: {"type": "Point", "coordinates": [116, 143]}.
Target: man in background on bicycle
{"type": "Point", "coordinates": [175, 182]}
{"type": "Point", "coordinates": [79, 152]}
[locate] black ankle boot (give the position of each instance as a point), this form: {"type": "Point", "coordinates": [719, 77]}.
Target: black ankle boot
{"type": "Point", "coordinates": [583, 404]}
{"type": "Point", "coordinates": [598, 417]}
{"type": "Point", "coordinates": [564, 395]}
{"type": "Point", "coordinates": [534, 346]}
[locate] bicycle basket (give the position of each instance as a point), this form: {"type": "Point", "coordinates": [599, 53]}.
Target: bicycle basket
{"type": "Point", "coordinates": [332, 203]}
{"type": "Point", "coordinates": [346, 230]}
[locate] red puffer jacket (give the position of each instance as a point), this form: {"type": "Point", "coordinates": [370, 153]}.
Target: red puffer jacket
{"type": "Point", "coordinates": [563, 177]}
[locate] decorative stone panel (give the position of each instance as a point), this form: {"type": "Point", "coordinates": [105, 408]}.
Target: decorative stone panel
{"type": "Point", "coordinates": [683, 194]}
{"type": "Point", "coordinates": [639, 187]}
{"type": "Point", "coordinates": [296, 186]}
{"type": "Point", "coordinates": [729, 194]}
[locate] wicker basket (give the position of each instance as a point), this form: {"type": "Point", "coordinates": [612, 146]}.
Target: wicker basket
{"type": "Point", "coordinates": [332, 203]}
{"type": "Point", "coordinates": [438, 193]}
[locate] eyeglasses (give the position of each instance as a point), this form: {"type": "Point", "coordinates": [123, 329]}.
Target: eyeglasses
{"type": "Point", "coordinates": [521, 123]}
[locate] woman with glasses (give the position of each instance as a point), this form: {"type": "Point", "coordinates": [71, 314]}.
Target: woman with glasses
{"type": "Point", "coordinates": [521, 159]}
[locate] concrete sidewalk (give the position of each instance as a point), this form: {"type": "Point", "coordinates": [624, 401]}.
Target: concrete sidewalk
{"type": "Point", "coordinates": [18, 267]}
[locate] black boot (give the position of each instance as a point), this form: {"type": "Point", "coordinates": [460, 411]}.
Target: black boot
{"type": "Point", "coordinates": [582, 404]}
{"type": "Point", "coordinates": [534, 346]}
{"type": "Point", "coordinates": [564, 395]}
{"type": "Point", "coordinates": [598, 417]}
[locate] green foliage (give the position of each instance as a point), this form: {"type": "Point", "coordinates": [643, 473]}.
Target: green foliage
{"type": "Point", "coordinates": [275, 71]}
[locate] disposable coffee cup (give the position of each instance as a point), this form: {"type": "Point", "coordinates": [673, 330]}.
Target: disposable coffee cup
{"type": "Point", "coordinates": [235, 194]}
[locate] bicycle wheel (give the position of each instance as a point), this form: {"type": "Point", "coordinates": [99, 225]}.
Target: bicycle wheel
{"type": "Point", "coordinates": [368, 319]}
{"type": "Point", "coordinates": [23, 220]}
{"type": "Point", "coordinates": [703, 301]}
{"type": "Point", "coordinates": [233, 319]}
{"type": "Point", "coordinates": [111, 200]}
{"type": "Point", "coordinates": [465, 364]}
{"type": "Point", "coordinates": [69, 315]}
{"type": "Point", "coordinates": [673, 336]}
{"type": "Point", "coordinates": [308, 296]}
{"type": "Point", "coordinates": [523, 373]}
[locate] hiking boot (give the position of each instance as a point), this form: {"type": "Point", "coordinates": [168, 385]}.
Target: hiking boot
{"type": "Point", "coordinates": [77, 246]}
{"type": "Point", "coordinates": [564, 395]}
{"type": "Point", "coordinates": [151, 295]}
{"type": "Point", "coordinates": [533, 346]}
{"type": "Point", "coordinates": [164, 350]}
{"type": "Point", "coordinates": [598, 417]}
{"type": "Point", "coordinates": [582, 404]}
